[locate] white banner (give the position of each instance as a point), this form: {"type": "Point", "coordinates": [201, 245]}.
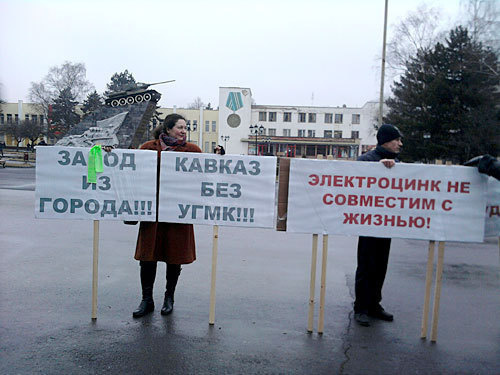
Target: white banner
{"type": "Point", "coordinates": [492, 228]}
{"type": "Point", "coordinates": [229, 190]}
{"type": "Point", "coordinates": [125, 190]}
{"type": "Point", "coordinates": [443, 203]}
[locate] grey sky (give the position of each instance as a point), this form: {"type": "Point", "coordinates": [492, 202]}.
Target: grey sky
{"type": "Point", "coordinates": [283, 50]}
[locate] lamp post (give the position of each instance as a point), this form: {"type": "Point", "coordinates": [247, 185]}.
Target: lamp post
{"type": "Point", "coordinates": [257, 130]}
{"type": "Point", "coordinates": [189, 129]}
{"type": "Point", "coordinates": [268, 142]}
{"type": "Point", "coordinates": [224, 138]}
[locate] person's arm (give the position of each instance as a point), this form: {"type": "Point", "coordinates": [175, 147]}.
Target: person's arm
{"type": "Point", "coordinates": [389, 163]}
{"type": "Point", "coordinates": [486, 164]}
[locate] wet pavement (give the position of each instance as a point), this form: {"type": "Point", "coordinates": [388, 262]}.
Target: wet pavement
{"type": "Point", "coordinates": [261, 310]}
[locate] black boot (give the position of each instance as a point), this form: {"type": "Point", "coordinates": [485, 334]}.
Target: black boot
{"type": "Point", "coordinates": [173, 272]}
{"type": "Point", "coordinates": [148, 274]}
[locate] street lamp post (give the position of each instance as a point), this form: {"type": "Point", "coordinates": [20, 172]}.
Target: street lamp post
{"type": "Point", "coordinates": [224, 138]}
{"type": "Point", "coordinates": [257, 130]}
{"type": "Point", "coordinates": [268, 143]}
{"type": "Point", "coordinates": [189, 129]}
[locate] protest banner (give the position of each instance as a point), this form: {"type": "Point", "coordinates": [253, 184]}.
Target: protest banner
{"type": "Point", "coordinates": [492, 225]}
{"type": "Point", "coordinates": [229, 190]}
{"type": "Point", "coordinates": [407, 201]}
{"type": "Point", "coordinates": [124, 190]}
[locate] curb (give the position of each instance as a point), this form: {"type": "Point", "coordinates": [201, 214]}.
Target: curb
{"type": "Point", "coordinates": [16, 165]}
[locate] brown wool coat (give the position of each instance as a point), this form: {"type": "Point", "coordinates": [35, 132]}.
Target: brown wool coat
{"type": "Point", "coordinates": [166, 242]}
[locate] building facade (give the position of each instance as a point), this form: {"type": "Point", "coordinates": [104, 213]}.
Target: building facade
{"type": "Point", "coordinates": [16, 113]}
{"type": "Point", "coordinates": [202, 126]}
{"type": "Point", "coordinates": [294, 131]}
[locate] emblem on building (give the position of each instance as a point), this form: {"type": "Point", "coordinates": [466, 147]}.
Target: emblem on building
{"type": "Point", "coordinates": [234, 102]}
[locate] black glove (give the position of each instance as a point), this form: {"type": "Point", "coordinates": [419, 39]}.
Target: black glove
{"type": "Point", "coordinates": [486, 164]}
{"type": "Point", "coordinates": [489, 165]}
{"type": "Point", "coordinates": [473, 162]}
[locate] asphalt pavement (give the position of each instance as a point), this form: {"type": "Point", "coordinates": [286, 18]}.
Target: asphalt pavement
{"type": "Point", "coordinates": [261, 303]}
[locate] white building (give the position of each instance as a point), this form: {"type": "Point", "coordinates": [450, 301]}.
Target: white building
{"type": "Point", "coordinates": [294, 131]}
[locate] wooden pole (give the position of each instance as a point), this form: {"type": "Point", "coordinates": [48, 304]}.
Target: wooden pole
{"type": "Point", "coordinates": [95, 269]}
{"type": "Point", "coordinates": [428, 282]}
{"type": "Point", "coordinates": [321, 318]}
{"type": "Point", "coordinates": [437, 291]}
{"type": "Point", "coordinates": [215, 241]}
{"type": "Point", "coordinates": [312, 284]}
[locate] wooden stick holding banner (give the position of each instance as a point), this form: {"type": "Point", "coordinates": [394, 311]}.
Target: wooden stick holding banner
{"type": "Point", "coordinates": [95, 269]}
{"type": "Point", "coordinates": [321, 319]}
{"type": "Point", "coordinates": [437, 291]}
{"type": "Point", "coordinates": [283, 179]}
{"type": "Point", "coordinates": [428, 282]}
{"type": "Point", "coordinates": [215, 243]}
{"type": "Point", "coordinates": [312, 284]}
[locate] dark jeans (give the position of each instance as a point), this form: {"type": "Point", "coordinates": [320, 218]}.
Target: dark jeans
{"type": "Point", "coordinates": [373, 255]}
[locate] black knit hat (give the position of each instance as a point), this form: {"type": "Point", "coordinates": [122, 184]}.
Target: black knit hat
{"type": "Point", "coordinates": [387, 133]}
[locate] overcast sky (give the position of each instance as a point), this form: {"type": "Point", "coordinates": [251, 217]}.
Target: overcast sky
{"type": "Point", "coordinates": [320, 52]}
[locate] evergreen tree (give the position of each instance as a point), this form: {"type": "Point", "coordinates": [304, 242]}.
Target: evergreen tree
{"type": "Point", "coordinates": [120, 82]}
{"type": "Point", "coordinates": [64, 116]}
{"type": "Point", "coordinates": [446, 103]}
{"type": "Point", "coordinates": [91, 104]}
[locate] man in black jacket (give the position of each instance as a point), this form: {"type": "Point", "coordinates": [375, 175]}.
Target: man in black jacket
{"type": "Point", "coordinates": [373, 252]}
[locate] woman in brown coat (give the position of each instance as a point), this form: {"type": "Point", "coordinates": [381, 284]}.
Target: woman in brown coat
{"type": "Point", "coordinates": [164, 242]}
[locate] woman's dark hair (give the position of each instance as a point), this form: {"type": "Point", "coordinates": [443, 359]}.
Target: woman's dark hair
{"type": "Point", "coordinates": [168, 123]}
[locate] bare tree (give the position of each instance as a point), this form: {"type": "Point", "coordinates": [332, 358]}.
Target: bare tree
{"type": "Point", "coordinates": [421, 29]}
{"type": "Point", "coordinates": [68, 75]}
{"type": "Point", "coordinates": [16, 132]}
{"type": "Point", "coordinates": [31, 130]}
{"type": "Point", "coordinates": [418, 31]}
{"type": "Point", "coordinates": [1, 100]}
{"type": "Point", "coordinates": [196, 104]}
{"type": "Point", "coordinates": [482, 19]}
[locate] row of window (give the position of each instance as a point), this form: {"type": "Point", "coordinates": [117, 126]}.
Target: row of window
{"type": "Point", "coordinates": [301, 133]}
{"type": "Point", "coordinates": [7, 119]}
{"type": "Point", "coordinates": [194, 126]}
{"type": "Point", "coordinates": [310, 117]}
{"type": "Point", "coordinates": [209, 149]}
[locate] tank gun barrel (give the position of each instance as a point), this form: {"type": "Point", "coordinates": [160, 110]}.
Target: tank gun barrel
{"type": "Point", "coordinates": [155, 83]}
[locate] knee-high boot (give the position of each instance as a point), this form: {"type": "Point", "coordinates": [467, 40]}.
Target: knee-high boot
{"type": "Point", "coordinates": [173, 272]}
{"type": "Point", "coordinates": [148, 274]}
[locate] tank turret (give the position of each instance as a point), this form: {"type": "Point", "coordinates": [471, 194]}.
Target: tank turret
{"type": "Point", "coordinates": [134, 93]}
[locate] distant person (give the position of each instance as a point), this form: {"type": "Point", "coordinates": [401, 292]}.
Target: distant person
{"type": "Point", "coordinates": [2, 146]}
{"type": "Point", "coordinates": [486, 164]}
{"type": "Point", "coordinates": [219, 150]}
{"type": "Point", "coordinates": [373, 252]}
{"type": "Point", "coordinates": [42, 143]}
{"type": "Point", "coordinates": [172, 243]}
